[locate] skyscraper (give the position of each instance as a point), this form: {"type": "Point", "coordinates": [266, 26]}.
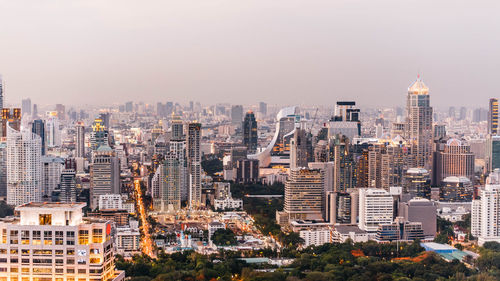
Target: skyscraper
{"type": "Point", "coordinates": [26, 106]}
{"type": "Point", "coordinates": [24, 167]}
{"type": "Point", "coordinates": [1, 94]}
{"type": "Point", "coordinates": [418, 183]}
{"type": "Point", "coordinates": [80, 140]}
{"type": "Point", "coordinates": [99, 135]}
{"type": "Point", "coordinates": [236, 114]}
{"type": "Point", "coordinates": [452, 158]}
{"type": "Point", "coordinates": [419, 124]}
{"type": "Point", "coordinates": [52, 167]}
{"type": "Point", "coordinates": [346, 120]}
{"type": "Point", "coordinates": [167, 197]}
{"type": "Point", "coordinates": [38, 127]}
{"type": "Point", "coordinates": [304, 195]}
{"type": "Point", "coordinates": [301, 151]}
{"type": "Point", "coordinates": [493, 117]}
{"type": "Point", "coordinates": [343, 164]}
{"type": "Point", "coordinates": [53, 132]}
{"type": "Point", "coordinates": [194, 164]}
{"type": "Point", "coordinates": [485, 215]}
{"type": "Point", "coordinates": [104, 173]}
{"type": "Point", "coordinates": [263, 108]}
{"type": "Point", "coordinates": [178, 148]}
{"type": "Point", "coordinates": [61, 111]}
{"type": "Point", "coordinates": [3, 169]}
{"type": "Point", "coordinates": [67, 186]}
{"type": "Point", "coordinates": [10, 117]}
{"type": "Point", "coordinates": [250, 132]}
{"type": "Point", "coordinates": [375, 207]}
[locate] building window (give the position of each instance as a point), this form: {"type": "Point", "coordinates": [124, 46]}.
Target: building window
{"type": "Point", "coordinates": [83, 237]}
{"type": "Point", "coordinates": [47, 237]}
{"type": "Point", "coordinates": [14, 238]}
{"type": "Point", "coordinates": [45, 219]}
{"type": "Point", "coordinates": [25, 237]}
{"type": "Point", "coordinates": [97, 235]}
{"type": "Point", "coordinates": [37, 237]}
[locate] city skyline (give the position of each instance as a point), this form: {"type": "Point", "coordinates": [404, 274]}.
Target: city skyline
{"type": "Point", "coordinates": [241, 52]}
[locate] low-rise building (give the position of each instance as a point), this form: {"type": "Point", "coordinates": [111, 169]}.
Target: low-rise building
{"type": "Point", "coordinates": [341, 233]}
{"type": "Point", "coordinates": [316, 237]}
{"type": "Point", "coordinates": [228, 203]}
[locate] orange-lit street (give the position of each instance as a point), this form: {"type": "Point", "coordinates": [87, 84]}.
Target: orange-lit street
{"type": "Point", "coordinates": [146, 242]}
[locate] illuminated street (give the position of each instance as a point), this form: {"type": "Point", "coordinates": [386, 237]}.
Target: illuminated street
{"type": "Point", "coordinates": [146, 242]}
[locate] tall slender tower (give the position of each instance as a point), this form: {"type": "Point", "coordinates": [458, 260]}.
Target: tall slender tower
{"type": "Point", "coordinates": [194, 164]}
{"type": "Point", "coordinates": [419, 124]}
{"type": "Point", "coordinates": [80, 140]}
{"type": "Point", "coordinates": [1, 93]}
{"type": "Point", "coordinates": [250, 132]}
{"type": "Point", "coordinates": [24, 167]}
{"type": "Point", "coordinates": [493, 117]}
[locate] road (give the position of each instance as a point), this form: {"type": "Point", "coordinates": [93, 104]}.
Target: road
{"type": "Point", "coordinates": [146, 242]}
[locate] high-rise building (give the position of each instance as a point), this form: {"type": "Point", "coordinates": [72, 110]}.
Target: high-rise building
{"type": "Point", "coordinates": [194, 163]}
{"type": "Point", "coordinates": [129, 106]}
{"type": "Point", "coordinates": [67, 186]}
{"type": "Point", "coordinates": [346, 120]}
{"type": "Point", "coordinates": [343, 164]}
{"type": "Point", "coordinates": [167, 197]}
{"type": "Point", "coordinates": [419, 124]}
{"type": "Point", "coordinates": [452, 112]}
{"type": "Point", "coordinates": [178, 148]}
{"type": "Point", "coordinates": [375, 207]}
{"type": "Point", "coordinates": [493, 117]}
{"type": "Point", "coordinates": [492, 153]}
{"type": "Point", "coordinates": [3, 169]}
{"type": "Point", "coordinates": [304, 195]}
{"type": "Point", "coordinates": [106, 119]}
{"type": "Point", "coordinates": [10, 117]}
{"type": "Point", "coordinates": [24, 167]}
{"type": "Point", "coordinates": [439, 131]}
{"type": "Point", "coordinates": [80, 140]}
{"type": "Point", "coordinates": [1, 93]}
{"type": "Point", "coordinates": [62, 244]}
{"type": "Point", "coordinates": [456, 189]}
{"type": "Point", "coordinates": [246, 170]}
{"type": "Point", "coordinates": [99, 135]}
{"type": "Point", "coordinates": [236, 114]}
{"type": "Point", "coordinates": [38, 127]}
{"type": "Point", "coordinates": [263, 108]}
{"type": "Point", "coordinates": [485, 213]}
{"type": "Point", "coordinates": [104, 173]}
{"type": "Point", "coordinates": [417, 183]}
{"type": "Point", "coordinates": [301, 151]}
{"type": "Point", "coordinates": [26, 106]}
{"type": "Point", "coordinates": [463, 113]}
{"type": "Point", "coordinates": [61, 111]}
{"type": "Point", "coordinates": [250, 132]}
{"type": "Point", "coordinates": [52, 167]}
{"type": "Point", "coordinates": [420, 210]}
{"type": "Point", "coordinates": [452, 158]}
{"type": "Point", "coordinates": [53, 131]}
{"type": "Point", "coordinates": [35, 111]}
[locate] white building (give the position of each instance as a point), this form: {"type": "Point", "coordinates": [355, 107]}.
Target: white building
{"type": "Point", "coordinates": [213, 227]}
{"type": "Point", "coordinates": [316, 237]}
{"type": "Point", "coordinates": [343, 232]}
{"type": "Point", "coordinates": [485, 215]}
{"type": "Point", "coordinates": [24, 167]}
{"type": "Point", "coordinates": [52, 242]}
{"type": "Point", "coordinates": [375, 207]}
{"type": "Point", "coordinates": [110, 201]}
{"type": "Point", "coordinates": [228, 203]}
{"type": "Point", "coordinates": [128, 241]}
{"type": "Point", "coordinates": [53, 133]}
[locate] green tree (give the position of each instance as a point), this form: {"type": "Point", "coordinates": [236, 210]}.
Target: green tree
{"type": "Point", "coordinates": [224, 237]}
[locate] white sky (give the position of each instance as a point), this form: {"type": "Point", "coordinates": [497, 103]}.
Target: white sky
{"type": "Point", "coordinates": [237, 51]}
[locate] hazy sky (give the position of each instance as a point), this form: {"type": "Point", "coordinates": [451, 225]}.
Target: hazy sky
{"type": "Point", "coordinates": [278, 51]}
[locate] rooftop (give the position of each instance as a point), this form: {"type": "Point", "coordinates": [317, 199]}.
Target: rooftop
{"type": "Point", "coordinates": [52, 205]}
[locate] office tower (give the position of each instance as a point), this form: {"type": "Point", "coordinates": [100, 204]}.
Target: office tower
{"type": "Point", "coordinates": [26, 106]}
{"type": "Point", "coordinates": [99, 135]}
{"type": "Point", "coordinates": [167, 197]}
{"type": "Point", "coordinates": [492, 152]}
{"type": "Point", "coordinates": [106, 118]}
{"type": "Point", "coordinates": [236, 114]}
{"type": "Point", "coordinates": [462, 113]}
{"type": "Point", "coordinates": [420, 210]}
{"type": "Point", "coordinates": [52, 167]}
{"type": "Point", "coordinates": [346, 120]}
{"type": "Point", "coordinates": [194, 164]}
{"type": "Point", "coordinates": [304, 195]}
{"type": "Point", "coordinates": [250, 132]}
{"type": "Point", "coordinates": [343, 164]}
{"type": "Point", "coordinates": [278, 150]}
{"type": "Point", "coordinates": [3, 169]}
{"type": "Point", "coordinates": [62, 244]}
{"type": "Point", "coordinates": [67, 186]}
{"type": "Point", "coordinates": [61, 111]}
{"type": "Point", "coordinates": [419, 124]}
{"type": "Point", "coordinates": [178, 148]}
{"type": "Point", "coordinates": [341, 207]}
{"type": "Point", "coordinates": [10, 117]}
{"type": "Point", "coordinates": [104, 173]}
{"type": "Point", "coordinates": [53, 131]}
{"type": "Point", "coordinates": [398, 155]}
{"type": "Point", "coordinates": [38, 127]}
{"type": "Point", "coordinates": [80, 140]}
{"type": "Point", "coordinates": [452, 158]}
{"type": "Point", "coordinates": [169, 108]}
{"type": "Point", "coordinates": [129, 106]}
{"type": "Point", "coordinates": [160, 109]}
{"type": "Point", "coordinates": [263, 108]}
{"type": "Point", "coordinates": [378, 167]}
{"type": "Point", "coordinates": [456, 189]}
{"type": "Point", "coordinates": [35, 111]}
{"type": "Point", "coordinates": [301, 151]}
{"type": "Point", "coordinates": [439, 131]}
{"type": "Point", "coordinates": [246, 170]}
{"type": "Point", "coordinates": [485, 213]}
{"type": "Point", "coordinates": [417, 183]}
{"type": "Point", "coordinates": [375, 208]}
{"type": "Point", "coordinates": [398, 129]}
{"type": "Point", "coordinates": [24, 175]}
{"type": "Point", "coordinates": [452, 112]}
{"type": "Point", "coordinates": [493, 117]}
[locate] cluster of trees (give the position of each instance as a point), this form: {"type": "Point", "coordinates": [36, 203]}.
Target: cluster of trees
{"type": "Point", "coordinates": [5, 210]}
{"type": "Point", "coordinates": [211, 164]}
{"type": "Point", "coordinates": [224, 237]}
{"type": "Point", "coordinates": [347, 261]}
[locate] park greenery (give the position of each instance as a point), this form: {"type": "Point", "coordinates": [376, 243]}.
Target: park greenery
{"type": "Point", "coordinates": [224, 237]}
